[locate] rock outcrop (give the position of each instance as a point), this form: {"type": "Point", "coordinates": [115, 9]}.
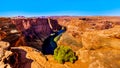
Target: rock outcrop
{"type": "Point", "coordinates": [101, 49]}
{"type": "Point", "coordinates": [28, 58]}
{"type": "Point", "coordinates": [76, 26]}
{"type": "Point", "coordinates": [4, 54]}
{"type": "Point", "coordinates": [102, 38]}
{"type": "Point", "coordinates": [100, 58]}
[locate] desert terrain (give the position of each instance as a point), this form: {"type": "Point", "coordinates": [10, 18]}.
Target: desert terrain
{"type": "Point", "coordinates": [94, 39]}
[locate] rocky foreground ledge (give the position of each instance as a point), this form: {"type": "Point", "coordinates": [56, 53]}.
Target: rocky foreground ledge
{"type": "Point", "coordinates": [27, 57]}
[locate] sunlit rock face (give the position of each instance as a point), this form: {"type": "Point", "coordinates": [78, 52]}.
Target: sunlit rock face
{"type": "Point", "coordinates": [4, 54]}
{"type": "Point", "coordinates": [23, 57]}
{"type": "Point", "coordinates": [100, 58]}
{"type": "Point", "coordinates": [77, 26]}
{"type": "Point", "coordinates": [101, 48]}
{"type": "Point", "coordinates": [102, 38]}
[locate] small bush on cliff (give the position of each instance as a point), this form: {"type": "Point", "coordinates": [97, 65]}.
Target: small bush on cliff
{"type": "Point", "coordinates": [63, 54]}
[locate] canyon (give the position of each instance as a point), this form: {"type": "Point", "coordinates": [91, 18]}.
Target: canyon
{"type": "Point", "coordinates": [94, 39]}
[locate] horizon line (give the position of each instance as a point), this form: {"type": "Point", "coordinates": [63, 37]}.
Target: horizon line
{"type": "Point", "coordinates": [60, 13]}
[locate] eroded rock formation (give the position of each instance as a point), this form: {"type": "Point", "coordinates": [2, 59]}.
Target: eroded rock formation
{"type": "Point", "coordinates": [95, 40]}
{"type": "Point", "coordinates": [102, 38]}
{"type": "Point", "coordinates": [101, 48]}
{"type": "Point", "coordinates": [4, 54]}
{"type": "Point", "coordinates": [36, 30]}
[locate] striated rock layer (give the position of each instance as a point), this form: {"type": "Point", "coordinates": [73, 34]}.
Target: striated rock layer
{"type": "Point", "coordinates": [36, 31]}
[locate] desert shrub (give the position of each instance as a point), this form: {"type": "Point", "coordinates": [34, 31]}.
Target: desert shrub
{"type": "Point", "coordinates": [63, 54]}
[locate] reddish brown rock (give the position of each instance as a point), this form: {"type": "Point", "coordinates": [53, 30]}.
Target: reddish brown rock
{"type": "Point", "coordinates": [35, 31]}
